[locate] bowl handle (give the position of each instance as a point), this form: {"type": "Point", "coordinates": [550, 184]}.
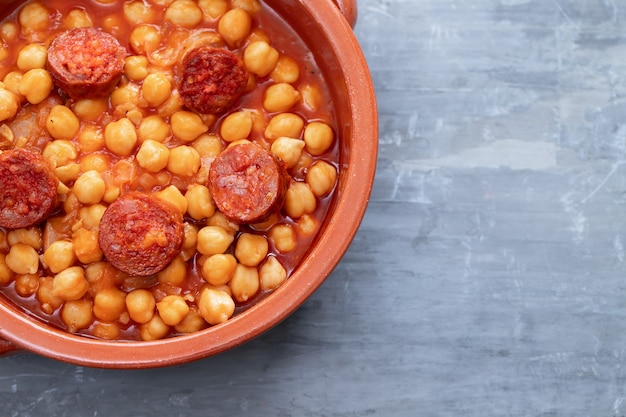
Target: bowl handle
{"type": "Point", "coordinates": [349, 10]}
{"type": "Point", "coordinates": [6, 347]}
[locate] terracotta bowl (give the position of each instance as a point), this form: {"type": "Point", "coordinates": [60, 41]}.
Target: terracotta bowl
{"type": "Point", "coordinates": [326, 26]}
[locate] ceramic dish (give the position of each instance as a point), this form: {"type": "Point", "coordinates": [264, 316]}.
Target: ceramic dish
{"type": "Point", "coordinates": [326, 27]}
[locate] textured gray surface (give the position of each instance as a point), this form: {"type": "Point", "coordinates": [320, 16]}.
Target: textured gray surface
{"type": "Point", "coordinates": [488, 278]}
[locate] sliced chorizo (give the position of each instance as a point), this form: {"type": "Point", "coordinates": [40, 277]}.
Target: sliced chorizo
{"type": "Point", "coordinates": [86, 62]}
{"type": "Point", "coordinates": [28, 188]}
{"type": "Point", "coordinates": [212, 79]}
{"type": "Point", "coordinates": [140, 234]}
{"type": "Point", "coordinates": [248, 183]}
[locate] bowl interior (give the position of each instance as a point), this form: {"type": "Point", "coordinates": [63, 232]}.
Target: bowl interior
{"type": "Point", "coordinates": [338, 54]}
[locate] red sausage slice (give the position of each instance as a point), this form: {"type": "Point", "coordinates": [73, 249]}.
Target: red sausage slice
{"type": "Point", "coordinates": [212, 79]}
{"type": "Point", "coordinates": [140, 234]}
{"type": "Point", "coordinates": [86, 62]}
{"type": "Point", "coordinates": [248, 183]}
{"type": "Point", "coordinates": [28, 188]}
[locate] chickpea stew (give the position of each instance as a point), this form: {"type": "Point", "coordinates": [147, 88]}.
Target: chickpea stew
{"type": "Point", "coordinates": [164, 164]}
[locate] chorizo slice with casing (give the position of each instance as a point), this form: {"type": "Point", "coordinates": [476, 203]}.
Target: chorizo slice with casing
{"type": "Point", "coordinates": [28, 188]}
{"type": "Point", "coordinates": [248, 183]}
{"type": "Point", "coordinates": [140, 234]}
{"type": "Point", "coordinates": [86, 62]}
{"type": "Point", "coordinates": [212, 79]}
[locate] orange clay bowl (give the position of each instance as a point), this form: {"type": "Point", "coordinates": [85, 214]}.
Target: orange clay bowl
{"type": "Point", "coordinates": [326, 27]}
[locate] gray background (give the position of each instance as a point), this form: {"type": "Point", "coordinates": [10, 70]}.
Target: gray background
{"type": "Point", "coordinates": [488, 277]}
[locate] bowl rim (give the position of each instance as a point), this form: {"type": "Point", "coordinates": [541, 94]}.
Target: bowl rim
{"type": "Point", "coordinates": [35, 336]}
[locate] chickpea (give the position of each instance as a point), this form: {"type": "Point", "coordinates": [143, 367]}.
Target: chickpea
{"type": "Point", "coordinates": [219, 220]}
{"type": "Point", "coordinates": [236, 126]}
{"type": "Point", "coordinates": [91, 215]}
{"type": "Point", "coordinates": [234, 26]}
{"type": "Point", "coordinates": [6, 275]}
{"type": "Point", "coordinates": [9, 104]}
{"type": "Point", "coordinates": [199, 202]}
{"type": "Point", "coordinates": [299, 200]}
{"type": "Point", "coordinates": [311, 96]}
{"type": "Point", "coordinates": [106, 331]}
{"type": "Point", "coordinates": [36, 85]}
{"type": "Point", "coordinates": [59, 256]}
{"type": "Point", "coordinates": [120, 137]}
{"type": "Point", "coordinates": [172, 195]}
{"type": "Point", "coordinates": [218, 269]}
{"type": "Point", "coordinates": [136, 67]}
{"type": "Point", "coordinates": [90, 109]}
{"type": "Point", "coordinates": [213, 8]}
{"type": "Point", "coordinates": [86, 245]}
{"type": "Point", "coordinates": [208, 145]}
{"type": "Point", "coordinates": [193, 322]}
{"type": "Point", "coordinates": [284, 237]}
{"type": "Point", "coordinates": [31, 236]}
{"type": "Point", "coordinates": [26, 284]}
{"type": "Point", "coordinates": [47, 300]}
{"type": "Point", "coordinates": [126, 96]}
{"type": "Point", "coordinates": [288, 149]}
{"type": "Point", "coordinates": [156, 89]}
{"type": "Point", "coordinates": [59, 153]}
{"type": "Point", "coordinates": [213, 240]}
{"type": "Point", "coordinates": [272, 274]}
{"type": "Point", "coordinates": [34, 17]}
{"type": "Point", "coordinates": [318, 137]}
{"type": "Point", "coordinates": [321, 178]}
{"type": "Point", "coordinates": [89, 187]}
{"type": "Point", "coordinates": [145, 39]}
{"type": "Point", "coordinates": [260, 58]}
{"type": "Point", "coordinates": [95, 161]}
{"type": "Point", "coordinates": [70, 284]}
{"type": "Point", "coordinates": [153, 128]}
{"type": "Point", "coordinates": [288, 125]}
{"type": "Point", "coordinates": [32, 56]}
{"type": "Point", "coordinates": [77, 315]}
{"type": "Point", "coordinates": [137, 12]}
{"type": "Point", "coordinates": [187, 126]}
{"type": "Point", "coordinates": [22, 259]}
{"type": "Point", "coordinates": [286, 70]}
{"type": "Point", "coordinates": [154, 329]}
{"type": "Point", "coordinates": [251, 249]}
{"type": "Point", "coordinates": [91, 139]}
{"type": "Point", "coordinates": [245, 283]}
{"type": "Point", "coordinates": [153, 156]}
{"type": "Point", "coordinates": [184, 161]}
{"type": "Point", "coordinates": [280, 97]}
{"type": "Point", "coordinates": [251, 6]}
{"type": "Point", "coordinates": [172, 309]}
{"type": "Point", "coordinates": [9, 31]}
{"type": "Point", "coordinates": [215, 306]}
{"type": "Point", "coordinates": [307, 225]}
{"type": "Point", "coordinates": [175, 104]}
{"type": "Point", "coordinates": [175, 273]}
{"type": "Point", "coordinates": [140, 305]}
{"type": "Point", "coordinates": [109, 304]}
{"type": "Point", "coordinates": [190, 238]}
{"type": "Point", "coordinates": [77, 19]}
{"type": "Point", "coordinates": [184, 13]}
{"type": "Point", "coordinates": [12, 82]}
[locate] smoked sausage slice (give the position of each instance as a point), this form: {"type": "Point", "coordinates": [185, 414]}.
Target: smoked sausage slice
{"type": "Point", "coordinates": [140, 234]}
{"type": "Point", "coordinates": [248, 183]}
{"type": "Point", "coordinates": [86, 62]}
{"type": "Point", "coordinates": [212, 79]}
{"type": "Point", "coordinates": [28, 188]}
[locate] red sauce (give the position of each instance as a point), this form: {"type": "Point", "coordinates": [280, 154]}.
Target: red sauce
{"type": "Point", "coordinates": [124, 172]}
